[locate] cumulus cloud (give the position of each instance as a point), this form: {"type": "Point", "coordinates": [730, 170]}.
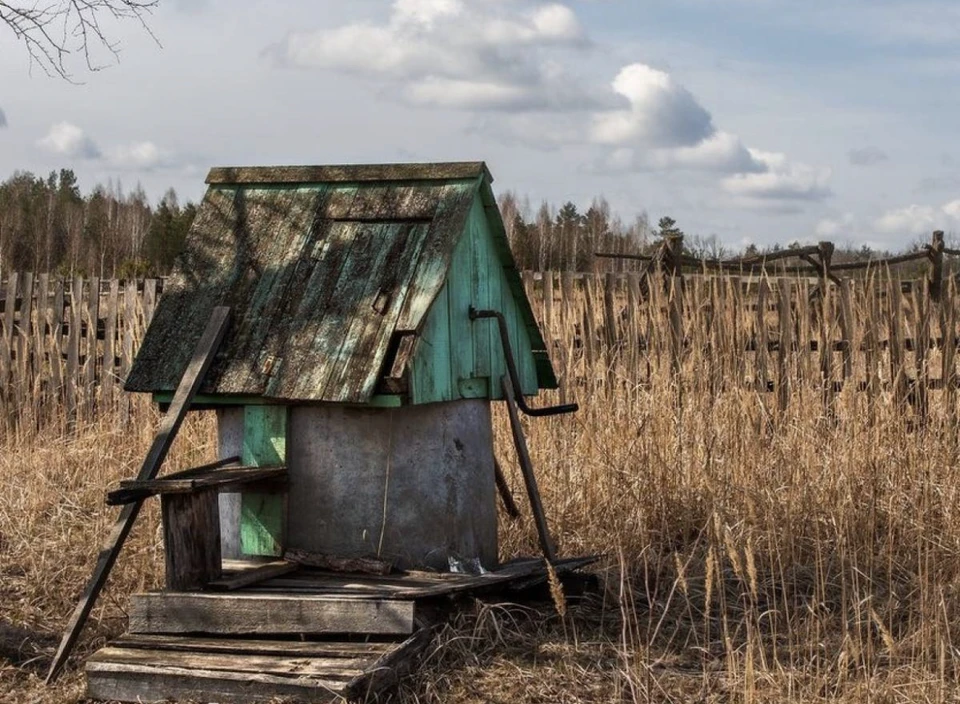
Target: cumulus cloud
{"type": "Point", "coordinates": [867, 156]}
{"type": "Point", "coordinates": [142, 156]}
{"type": "Point", "coordinates": [69, 140]}
{"type": "Point", "coordinates": [781, 180]}
{"type": "Point", "coordinates": [836, 227]}
{"type": "Point", "coordinates": [722, 153]}
{"type": "Point", "coordinates": [448, 53]}
{"type": "Point", "coordinates": [918, 219]}
{"type": "Point", "coordinates": [662, 113]}
{"type": "Point", "coordinates": [3, 118]}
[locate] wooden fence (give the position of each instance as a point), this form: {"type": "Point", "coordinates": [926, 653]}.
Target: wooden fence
{"type": "Point", "coordinates": [67, 344]}
{"type": "Point", "coordinates": [778, 335]}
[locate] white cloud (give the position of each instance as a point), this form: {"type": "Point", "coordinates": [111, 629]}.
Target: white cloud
{"type": "Point", "coordinates": [721, 153]}
{"type": "Point", "coordinates": [662, 113]}
{"type": "Point", "coordinates": [781, 181]}
{"type": "Point", "coordinates": [836, 227]}
{"type": "Point", "coordinates": [451, 54]}
{"type": "Point", "coordinates": [143, 156]}
{"type": "Point", "coordinates": [69, 140]}
{"type": "Point", "coordinates": [916, 219]}
{"type": "Point", "coordinates": [3, 118]}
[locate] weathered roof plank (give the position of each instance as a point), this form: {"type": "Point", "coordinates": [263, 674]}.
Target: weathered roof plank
{"type": "Point", "coordinates": [324, 265]}
{"type": "Point", "coordinates": [357, 173]}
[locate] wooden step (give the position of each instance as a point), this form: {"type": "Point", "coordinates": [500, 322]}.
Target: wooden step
{"type": "Point", "coordinates": [162, 668]}
{"type": "Point", "coordinates": [268, 614]}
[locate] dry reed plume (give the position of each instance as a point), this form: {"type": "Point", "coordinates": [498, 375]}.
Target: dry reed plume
{"type": "Point", "coordinates": [753, 553]}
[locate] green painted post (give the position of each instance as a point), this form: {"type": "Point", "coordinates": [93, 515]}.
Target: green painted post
{"type": "Point", "coordinates": [262, 514]}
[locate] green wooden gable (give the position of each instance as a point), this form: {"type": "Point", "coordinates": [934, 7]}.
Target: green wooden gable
{"type": "Point", "coordinates": [348, 284]}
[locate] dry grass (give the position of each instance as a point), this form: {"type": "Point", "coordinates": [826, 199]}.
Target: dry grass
{"type": "Point", "coordinates": [752, 555]}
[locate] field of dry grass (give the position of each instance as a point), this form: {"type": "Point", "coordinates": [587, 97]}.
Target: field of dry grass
{"type": "Point", "coordinates": [752, 555]}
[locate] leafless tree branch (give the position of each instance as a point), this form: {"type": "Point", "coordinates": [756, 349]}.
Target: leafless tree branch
{"type": "Point", "coordinates": [52, 31]}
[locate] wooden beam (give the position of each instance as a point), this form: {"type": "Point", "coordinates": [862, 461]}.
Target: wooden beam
{"type": "Point", "coordinates": [221, 479]}
{"type": "Point", "coordinates": [203, 357]}
{"type": "Point", "coordinates": [526, 465]}
{"type": "Point", "coordinates": [268, 614]}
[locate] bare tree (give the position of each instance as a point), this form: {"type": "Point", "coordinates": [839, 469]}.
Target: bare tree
{"type": "Point", "coordinates": [52, 31]}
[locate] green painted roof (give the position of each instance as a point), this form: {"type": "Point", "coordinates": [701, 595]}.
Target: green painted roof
{"type": "Point", "coordinates": [322, 267]}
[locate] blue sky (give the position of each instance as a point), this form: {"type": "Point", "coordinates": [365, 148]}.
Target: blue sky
{"type": "Point", "coordinates": [756, 120]}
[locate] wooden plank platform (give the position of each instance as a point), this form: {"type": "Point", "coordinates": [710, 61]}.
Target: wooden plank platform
{"type": "Point", "coordinates": [245, 612]}
{"type": "Point", "coordinates": [307, 634]}
{"type": "Point", "coordinates": [161, 668]}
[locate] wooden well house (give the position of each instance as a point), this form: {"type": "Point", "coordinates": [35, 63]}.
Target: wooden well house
{"type": "Point", "coordinates": [350, 325]}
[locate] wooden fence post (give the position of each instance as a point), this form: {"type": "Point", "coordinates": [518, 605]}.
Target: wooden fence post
{"type": "Point", "coordinates": [826, 326]}
{"type": "Point", "coordinates": [675, 285]}
{"type": "Point", "coordinates": [785, 287]}
{"type": "Point", "coordinates": [935, 283]}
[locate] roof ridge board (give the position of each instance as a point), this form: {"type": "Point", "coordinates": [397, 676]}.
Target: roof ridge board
{"type": "Point", "coordinates": [344, 173]}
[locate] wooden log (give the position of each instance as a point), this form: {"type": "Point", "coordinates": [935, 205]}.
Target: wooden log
{"type": "Point", "coordinates": [334, 563]}
{"type": "Point", "coordinates": [191, 539]}
{"type": "Point", "coordinates": [268, 614]}
{"type": "Point", "coordinates": [200, 362]}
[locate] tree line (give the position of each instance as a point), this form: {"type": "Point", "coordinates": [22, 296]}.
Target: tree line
{"type": "Point", "coordinates": [48, 225]}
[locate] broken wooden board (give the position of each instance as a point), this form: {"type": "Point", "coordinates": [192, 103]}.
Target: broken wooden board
{"type": "Point", "coordinates": [252, 575]}
{"type": "Point", "coordinates": [247, 612]}
{"type": "Point", "coordinates": [414, 585]}
{"type": "Point", "coordinates": [159, 668]}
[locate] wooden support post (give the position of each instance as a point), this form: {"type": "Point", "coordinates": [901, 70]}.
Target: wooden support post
{"type": "Point", "coordinates": [509, 505]}
{"type": "Point", "coordinates": [526, 466]}
{"type": "Point", "coordinates": [203, 356]}
{"type": "Point", "coordinates": [191, 538]}
{"type": "Point", "coordinates": [935, 282]}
